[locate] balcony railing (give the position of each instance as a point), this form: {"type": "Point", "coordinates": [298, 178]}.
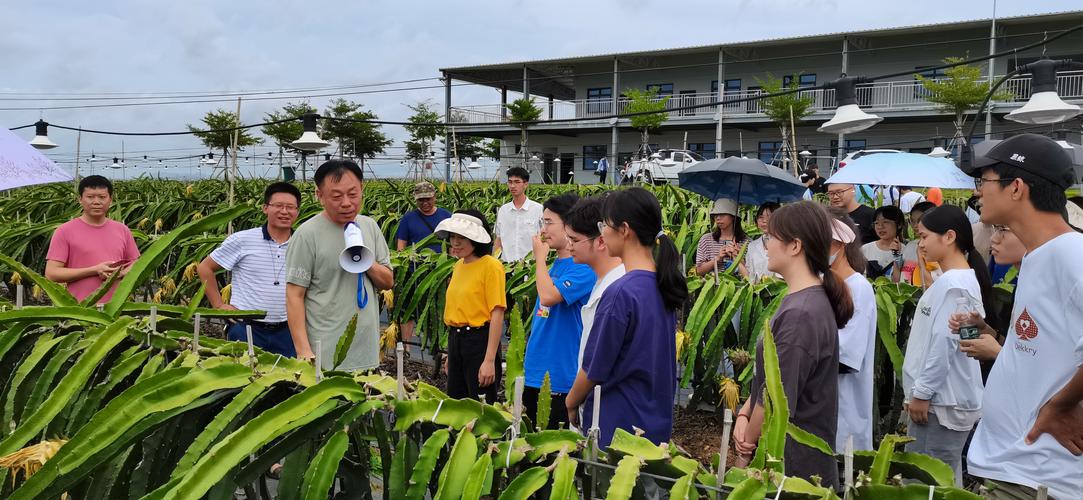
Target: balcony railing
{"type": "Point", "coordinates": [877, 96]}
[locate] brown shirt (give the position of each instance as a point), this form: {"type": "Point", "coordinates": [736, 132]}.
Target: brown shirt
{"type": "Point", "coordinates": [807, 339]}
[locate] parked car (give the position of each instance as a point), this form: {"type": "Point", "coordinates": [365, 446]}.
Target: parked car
{"type": "Point", "coordinates": [660, 167]}
{"type": "Point", "coordinates": [864, 152]}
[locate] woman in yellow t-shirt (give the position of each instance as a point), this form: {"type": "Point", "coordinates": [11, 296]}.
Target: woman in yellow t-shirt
{"type": "Point", "coordinates": [474, 307]}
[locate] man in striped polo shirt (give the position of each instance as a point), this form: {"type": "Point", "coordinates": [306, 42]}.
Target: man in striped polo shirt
{"type": "Point", "coordinates": [257, 258]}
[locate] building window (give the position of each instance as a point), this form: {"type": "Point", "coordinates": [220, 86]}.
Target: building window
{"type": "Point", "coordinates": [663, 89]}
{"type": "Point", "coordinates": [919, 90]}
{"type": "Point", "coordinates": [600, 100]}
{"type": "Point", "coordinates": [592, 154]}
{"type": "Point", "coordinates": [806, 80]}
{"type": "Point", "coordinates": [705, 149]}
{"type": "Point", "coordinates": [849, 146]}
{"type": "Point", "coordinates": [768, 150]}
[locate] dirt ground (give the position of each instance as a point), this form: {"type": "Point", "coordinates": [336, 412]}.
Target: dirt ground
{"type": "Point", "coordinates": [700, 434]}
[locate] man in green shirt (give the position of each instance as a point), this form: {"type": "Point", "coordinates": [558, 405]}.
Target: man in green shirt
{"type": "Point", "coordinates": [321, 297]}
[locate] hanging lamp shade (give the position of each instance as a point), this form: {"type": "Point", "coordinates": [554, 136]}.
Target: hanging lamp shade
{"type": "Point", "coordinates": [41, 136]}
{"type": "Point", "coordinates": [1044, 105]}
{"type": "Point", "coordinates": [848, 117]}
{"type": "Point", "coordinates": [939, 152]}
{"type": "Point", "coordinates": [309, 140]}
{"type": "Point", "coordinates": [116, 163]}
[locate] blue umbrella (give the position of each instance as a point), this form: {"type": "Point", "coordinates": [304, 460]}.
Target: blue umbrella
{"type": "Point", "coordinates": [903, 169]}
{"type": "Point", "coordinates": [745, 180]}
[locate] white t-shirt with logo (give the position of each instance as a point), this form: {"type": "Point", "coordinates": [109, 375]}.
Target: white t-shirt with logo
{"type": "Point", "coordinates": [857, 346]}
{"type": "Point", "coordinates": [1043, 351]}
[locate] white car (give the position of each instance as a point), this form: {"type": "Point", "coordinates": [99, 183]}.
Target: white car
{"type": "Point", "coordinates": [661, 167]}
{"type": "Point", "coordinates": [864, 152]}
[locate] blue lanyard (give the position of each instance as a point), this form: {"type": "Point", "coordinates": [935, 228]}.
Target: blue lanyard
{"type": "Point", "coordinates": [362, 294]}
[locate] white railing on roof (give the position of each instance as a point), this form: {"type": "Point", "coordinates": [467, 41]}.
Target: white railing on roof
{"type": "Point", "coordinates": [907, 95]}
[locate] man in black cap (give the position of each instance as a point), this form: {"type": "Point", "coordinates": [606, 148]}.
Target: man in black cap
{"type": "Point", "coordinates": [1031, 432]}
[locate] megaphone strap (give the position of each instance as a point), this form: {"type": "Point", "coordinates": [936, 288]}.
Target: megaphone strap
{"type": "Point", "coordinates": [362, 293]}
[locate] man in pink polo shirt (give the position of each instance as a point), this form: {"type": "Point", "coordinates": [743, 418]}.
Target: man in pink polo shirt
{"type": "Point", "coordinates": [88, 249]}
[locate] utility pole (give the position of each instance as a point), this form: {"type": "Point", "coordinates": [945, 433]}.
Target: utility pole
{"type": "Point", "coordinates": [78, 141]}
{"type": "Point", "coordinates": [992, 66]}
{"type": "Point", "coordinates": [233, 166]}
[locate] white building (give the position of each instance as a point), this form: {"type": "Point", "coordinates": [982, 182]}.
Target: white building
{"type": "Point", "coordinates": [591, 86]}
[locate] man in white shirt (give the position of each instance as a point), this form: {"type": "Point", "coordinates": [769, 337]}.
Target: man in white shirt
{"type": "Point", "coordinates": [1031, 432]}
{"type": "Point", "coordinates": [518, 220]}
{"type": "Point", "coordinates": [908, 198]}
{"type": "Point", "coordinates": [257, 258]}
{"type": "Point", "coordinates": [588, 247]}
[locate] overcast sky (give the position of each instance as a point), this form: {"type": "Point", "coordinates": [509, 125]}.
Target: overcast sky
{"type": "Point", "coordinates": [128, 46]}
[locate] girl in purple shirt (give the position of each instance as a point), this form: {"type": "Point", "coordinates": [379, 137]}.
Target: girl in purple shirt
{"type": "Point", "coordinates": [631, 352]}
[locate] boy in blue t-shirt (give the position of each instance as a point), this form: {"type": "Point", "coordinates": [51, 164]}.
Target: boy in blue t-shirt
{"type": "Point", "coordinates": [418, 224]}
{"type": "Point", "coordinates": [563, 289]}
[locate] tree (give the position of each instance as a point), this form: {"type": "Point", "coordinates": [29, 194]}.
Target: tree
{"type": "Point", "coordinates": [786, 111]}
{"type": "Point", "coordinates": [424, 130]}
{"type": "Point", "coordinates": [492, 149]}
{"type": "Point", "coordinates": [219, 132]}
{"type": "Point", "coordinates": [522, 111]}
{"type": "Point", "coordinates": [283, 134]}
{"type": "Point", "coordinates": [959, 92]}
{"type": "Point", "coordinates": [646, 101]}
{"type": "Point", "coordinates": [354, 138]}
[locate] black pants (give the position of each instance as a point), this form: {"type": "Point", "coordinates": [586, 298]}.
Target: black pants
{"type": "Point", "coordinates": [465, 353]}
{"type": "Point", "coordinates": [601, 176]}
{"type": "Point", "coordinates": [558, 411]}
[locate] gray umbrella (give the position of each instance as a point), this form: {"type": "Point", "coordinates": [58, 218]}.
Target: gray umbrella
{"type": "Point", "coordinates": [746, 180]}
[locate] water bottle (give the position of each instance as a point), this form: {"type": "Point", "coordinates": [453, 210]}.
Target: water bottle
{"type": "Point", "coordinates": [727, 262]}
{"type": "Point", "coordinates": [968, 330]}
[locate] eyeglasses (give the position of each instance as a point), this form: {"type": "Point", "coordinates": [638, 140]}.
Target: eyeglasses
{"type": "Point", "coordinates": [576, 242]}
{"type": "Point", "coordinates": [516, 182]}
{"type": "Point", "coordinates": [838, 193]}
{"type": "Point", "coordinates": [549, 222]}
{"type": "Point", "coordinates": [282, 207]}
{"type": "Point", "coordinates": [998, 229]}
{"type": "Point", "coordinates": [978, 181]}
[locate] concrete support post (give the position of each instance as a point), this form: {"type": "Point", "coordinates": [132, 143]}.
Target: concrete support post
{"type": "Point", "coordinates": [841, 152]}
{"type": "Point", "coordinates": [614, 166]}
{"type": "Point", "coordinates": [992, 73]}
{"type": "Point", "coordinates": [447, 119]}
{"type": "Point", "coordinates": [719, 98]}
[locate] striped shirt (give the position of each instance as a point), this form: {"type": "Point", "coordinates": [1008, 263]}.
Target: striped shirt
{"type": "Point", "coordinates": [258, 264]}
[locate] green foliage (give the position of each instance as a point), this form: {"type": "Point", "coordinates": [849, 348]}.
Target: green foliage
{"type": "Point", "coordinates": [779, 108]}
{"type": "Point", "coordinates": [516, 352]}
{"type": "Point", "coordinates": [523, 110]}
{"type": "Point", "coordinates": [423, 134]}
{"type": "Point", "coordinates": [354, 138]}
{"type": "Point", "coordinates": [545, 402]}
{"type": "Point", "coordinates": [218, 133]}
{"type": "Point", "coordinates": [285, 133]}
{"type": "Point", "coordinates": [646, 101]}
{"type": "Point", "coordinates": [961, 89]}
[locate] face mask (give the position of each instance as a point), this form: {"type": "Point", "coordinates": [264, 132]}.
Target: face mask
{"type": "Point", "coordinates": [831, 258]}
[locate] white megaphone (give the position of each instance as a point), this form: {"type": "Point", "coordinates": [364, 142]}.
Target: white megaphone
{"type": "Point", "coordinates": [356, 257]}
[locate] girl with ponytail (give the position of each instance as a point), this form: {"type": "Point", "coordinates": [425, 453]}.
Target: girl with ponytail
{"type": "Point", "coordinates": [942, 386]}
{"type": "Point", "coordinates": [806, 332]}
{"type": "Point", "coordinates": [631, 352]}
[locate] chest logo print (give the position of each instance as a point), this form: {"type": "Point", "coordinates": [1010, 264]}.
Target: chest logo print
{"type": "Point", "coordinates": [1025, 327]}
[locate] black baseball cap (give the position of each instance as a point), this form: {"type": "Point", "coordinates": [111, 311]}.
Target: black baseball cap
{"type": "Point", "coordinates": [1033, 153]}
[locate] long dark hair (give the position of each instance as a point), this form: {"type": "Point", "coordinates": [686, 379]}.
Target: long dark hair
{"type": "Point", "coordinates": [638, 208]}
{"type": "Point", "coordinates": [946, 218]}
{"type": "Point", "coordinates": [810, 223]}
{"type": "Point", "coordinates": [852, 251]}
{"type": "Point", "coordinates": [739, 235]}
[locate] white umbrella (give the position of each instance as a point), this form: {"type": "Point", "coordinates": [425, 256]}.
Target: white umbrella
{"type": "Point", "coordinates": [22, 165]}
{"type": "Point", "coordinates": [903, 169]}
